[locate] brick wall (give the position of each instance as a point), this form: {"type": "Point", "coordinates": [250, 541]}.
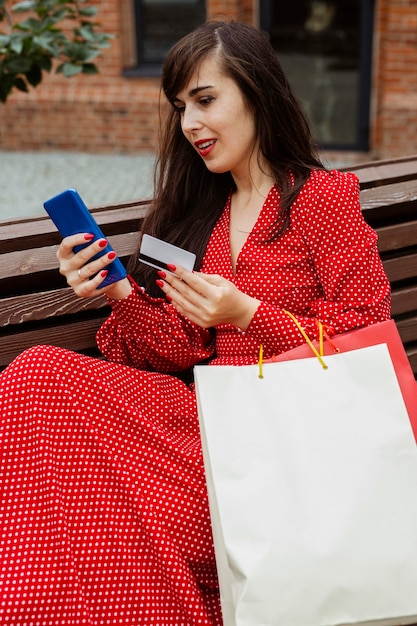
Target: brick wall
{"type": "Point", "coordinates": [242, 10]}
{"type": "Point", "coordinates": [102, 113]}
{"type": "Point", "coordinates": [113, 113]}
{"type": "Point", "coordinates": [394, 113]}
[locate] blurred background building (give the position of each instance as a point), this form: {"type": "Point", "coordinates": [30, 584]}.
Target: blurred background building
{"type": "Point", "coordinates": [353, 63]}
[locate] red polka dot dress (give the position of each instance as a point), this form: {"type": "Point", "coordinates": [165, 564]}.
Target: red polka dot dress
{"type": "Point", "coordinates": [104, 516]}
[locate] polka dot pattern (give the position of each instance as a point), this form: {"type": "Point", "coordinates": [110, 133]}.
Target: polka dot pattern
{"type": "Point", "coordinates": [104, 514]}
{"type": "Point", "coordinates": [325, 266]}
{"type": "Point", "coordinates": [106, 518]}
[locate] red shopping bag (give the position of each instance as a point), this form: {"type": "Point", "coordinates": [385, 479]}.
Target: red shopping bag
{"type": "Point", "coordinates": [380, 333]}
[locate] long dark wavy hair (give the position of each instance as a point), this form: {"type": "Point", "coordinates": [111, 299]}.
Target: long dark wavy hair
{"type": "Point", "coordinates": [188, 197]}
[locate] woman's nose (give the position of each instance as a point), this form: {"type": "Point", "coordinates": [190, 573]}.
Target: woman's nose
{"type": "Point", "coordinates": [190, 120]}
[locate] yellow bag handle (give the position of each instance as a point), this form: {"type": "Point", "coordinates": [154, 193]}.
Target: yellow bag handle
{"type": "Point", "coordinates": [318, 353]}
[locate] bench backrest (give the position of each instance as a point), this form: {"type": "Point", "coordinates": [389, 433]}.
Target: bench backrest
{"type": "Point", "coordinates": [36, 306]}
{"type": "Point", "coordinates": [389, 204]}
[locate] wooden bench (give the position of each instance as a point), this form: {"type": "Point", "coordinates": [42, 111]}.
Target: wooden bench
{"type": "Point", "coordinates": [36, 306]}
{"type": "Point", "coordinates": [389, 204]}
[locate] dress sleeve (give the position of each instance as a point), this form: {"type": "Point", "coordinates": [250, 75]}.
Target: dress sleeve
{"type": "Point", "coordinates": [148, 333]}
{"type": "Point", "coordinates": [354, 289]}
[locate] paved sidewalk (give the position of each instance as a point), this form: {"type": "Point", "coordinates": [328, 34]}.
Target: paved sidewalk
{"type": "Point", "coordinates": [29, 178]}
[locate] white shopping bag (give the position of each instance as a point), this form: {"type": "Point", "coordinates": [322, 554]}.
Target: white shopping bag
{"type": "Point", "coordinates": [312, 478]}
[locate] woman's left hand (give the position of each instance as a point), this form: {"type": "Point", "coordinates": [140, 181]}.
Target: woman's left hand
{"type": "Point", "coordinates": [207, 299]}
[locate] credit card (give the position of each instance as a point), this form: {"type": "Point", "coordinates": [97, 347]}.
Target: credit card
{"type": "Point", "coordinates": [158, 254]}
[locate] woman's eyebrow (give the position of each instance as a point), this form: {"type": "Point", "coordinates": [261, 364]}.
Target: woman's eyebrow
{"type": "Point", "coordinates": [196, 90]}
{"type": "Point", "coordinates": [193, 92]}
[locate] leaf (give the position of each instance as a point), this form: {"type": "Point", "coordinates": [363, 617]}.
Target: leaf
{"type": "Point", "coordinates": [79, 52]}
{"type": "Point", "coordinates": [18, 64]}
{"type": "Point", "coordinates": [90, 53]}
{"type": "Point", "coordinates": [47, 42]}
{"type": "Point", "coordinates": [4, 40]}
{"type": "Point", "coordinates": [6, 85]}
{"type": "Point", "coordinates": [88, 11]}
{"type": "Point", "coordinates": [16, 44]}
{"type": "Point", "coordinates": [27, 5]}
{"type": "Point", "coordinates": [59, 14]}
{"type": "Point", "coordinates": [90, 68]}
{"type": "Point", "coordinates": [46, 34]}
{"type": "Point", "coordinates": [103, 40]}
{"type": "Point", "coordinates": [34, 75]}
{"type": "Point", "coordinates": [4, 92]}
{"type": "Point", "coordinates": [86, 32]}
{"type": "Point", "coordinates": [73, 50]}
{"type": "Point", "coordinates": [69, 69]}
{"type": "Point", "coordinates": [45, 62]}
{"type": "Point", "coordinates": [20, 84]}
{"type": "Point", "coordinates": [30, 25]}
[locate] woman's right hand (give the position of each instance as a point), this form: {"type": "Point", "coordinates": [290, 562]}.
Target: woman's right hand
{"type": "Point", "coordinates": [85, 275]}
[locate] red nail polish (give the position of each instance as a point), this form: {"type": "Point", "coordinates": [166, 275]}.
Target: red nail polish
{"type": "Point", "coordinates": [88, 237]}
{"type": "Point", "coordinates": [168, 298]}
{"type": "Point", "coordinates": [160, 283]}
{"type": "Point", "coordinates": [161, 273]}
{"type": "Point", "coordinates": [172, 268]}
{"type": "Point", "coordinates": [102, 243]}
{"type": "Point", "coordinates": [104, 273]}
{"type": "Point", "coordinates": [111, 256]}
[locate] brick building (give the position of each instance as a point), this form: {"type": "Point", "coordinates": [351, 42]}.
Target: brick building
{"type": "Point", "coordinates": [352, 62]}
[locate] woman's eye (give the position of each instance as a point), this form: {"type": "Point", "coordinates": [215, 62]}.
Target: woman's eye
{"type": "Point", "coordinates": [206, 100]}
{"type": "Point", "coordinates": [180, 108]}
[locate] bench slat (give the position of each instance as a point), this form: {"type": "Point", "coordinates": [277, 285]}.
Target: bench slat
{"type": "Point", "coordinates": [383, 172]}
{"type": "Point", "coordinates": [404, 301]}
{"type": "Point", "coordinates": [22, 262]}
{"type": "Point", "coordinates": [397, 236]}
{"type": "Point", "coordinates": [389, 197]}
{"type": "Point", "coordinates": [41, 306]}
{"type": "Point", "coordinates": [401, 268]}
{"type": "Point", "coordinates": [407, 328]}
{"type": "Point", "coordinates": [40, 231]}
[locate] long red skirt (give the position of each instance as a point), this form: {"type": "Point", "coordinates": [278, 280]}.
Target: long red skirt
{"type": "Point", "coordinates": [104, 514]}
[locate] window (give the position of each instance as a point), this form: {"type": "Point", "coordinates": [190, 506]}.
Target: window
{"type": "Point", "coordinates": [160, 24]}
{"type": "Point", "coordinates": [325, 48]}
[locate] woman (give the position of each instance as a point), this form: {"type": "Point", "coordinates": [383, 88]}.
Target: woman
{"type": "Point", "coordinates": [105, 517]}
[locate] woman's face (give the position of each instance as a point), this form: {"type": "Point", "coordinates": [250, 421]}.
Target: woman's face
{"type": "Point", "coordinates": [217, 121]}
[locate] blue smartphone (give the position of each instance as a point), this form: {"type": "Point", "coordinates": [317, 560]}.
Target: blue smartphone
{"type": "Point", "coordinates": [70, 215]}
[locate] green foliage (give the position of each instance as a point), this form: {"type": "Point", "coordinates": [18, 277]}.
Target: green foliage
{"type": "Point", "coordinates": [53, 30]}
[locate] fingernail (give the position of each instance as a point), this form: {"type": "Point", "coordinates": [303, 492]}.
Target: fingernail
{"type": "Point", "coordinates": [104, 273]}
{"type": "Point", "coordinates": [168, 298]}
{"type": "Point", "coordinates": [160, 283]}
{"type": "Point", "coordinates": [88, 237]}
{"type": "Point", "coordinates": [111, 255]}
{"type": "Point", "coordinates": [172, 268]}
{"type": "Point", "coordinates": [161, 273]}
{"type": "Point", "coordinates": [102, 243]}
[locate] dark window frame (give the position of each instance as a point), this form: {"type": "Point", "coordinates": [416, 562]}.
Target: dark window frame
{"type": "Point", "coordinates": [367, 14]}
{"type": "Point", "coordinates": [145, 67]}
